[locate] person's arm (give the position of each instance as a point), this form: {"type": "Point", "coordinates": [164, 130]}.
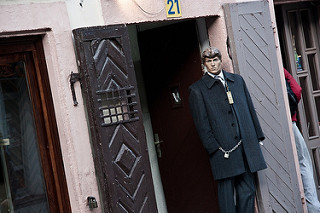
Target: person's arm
{"type": "Point", "coordinates": [200, 118]}
{"type": "Point", "coordinates": [295, 87]}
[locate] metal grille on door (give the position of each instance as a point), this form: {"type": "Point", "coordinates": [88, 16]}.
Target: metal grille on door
{"type": "Point", "coordinates": [117, 105]}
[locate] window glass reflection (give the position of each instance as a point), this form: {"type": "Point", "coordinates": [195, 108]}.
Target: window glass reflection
{"type": "Point", "coordinates": [306, 24]}
{"type": "Point", "coordinates": [296, 41]}
{"type": "Point", "coordinates": [22, 187]}
{"type": "Point", "coordinates": [313, 72]}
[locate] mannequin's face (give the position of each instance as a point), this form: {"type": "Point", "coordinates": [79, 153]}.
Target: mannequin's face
{"type": "Point", "coordinates": [213, 65]}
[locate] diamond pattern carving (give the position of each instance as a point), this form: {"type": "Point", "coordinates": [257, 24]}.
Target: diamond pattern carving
{"type": "Point", "coordinates": [112, 101]}
{"type": "Point", "coordinates": [126, 159]}
{"type": "Point", "coordinates": [123, 147]}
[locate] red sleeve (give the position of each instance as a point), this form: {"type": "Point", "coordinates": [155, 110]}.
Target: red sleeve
{"type": "Point", "coordinates": [294, 85]}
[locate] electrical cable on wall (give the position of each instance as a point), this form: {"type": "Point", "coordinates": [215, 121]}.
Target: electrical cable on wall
{"type": "Point", "coordinates": [137, 4]}
{"type": "Point", "coordinates": [134, 1]}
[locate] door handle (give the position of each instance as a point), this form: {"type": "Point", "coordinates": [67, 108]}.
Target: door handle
{"type": "Point", "coordinates": [157, 142]}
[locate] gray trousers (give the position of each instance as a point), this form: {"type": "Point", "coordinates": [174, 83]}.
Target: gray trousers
{"type": "Point", "coordinates": [244, 188]}
{"type": "Point", "coordinates": [306, 170]}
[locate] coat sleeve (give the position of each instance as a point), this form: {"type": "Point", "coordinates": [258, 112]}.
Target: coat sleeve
{"type": "Point", "coordinates": [293, 84]}
{"type": "Point", "coordinates": [253, 113]}
{"type": "Point", "coordinates": [200, 118]}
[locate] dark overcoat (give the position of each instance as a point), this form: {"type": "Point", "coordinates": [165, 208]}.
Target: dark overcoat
{"type": "Point", "coordinates": [216, 122]}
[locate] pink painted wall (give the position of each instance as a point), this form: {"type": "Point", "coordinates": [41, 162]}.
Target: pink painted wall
{"type": "Point", "coordinates": [218, 38]}
{"type": "Point", "coordinates": [132, 11]}
{"type": "Point", "coordinates": [71, 121]}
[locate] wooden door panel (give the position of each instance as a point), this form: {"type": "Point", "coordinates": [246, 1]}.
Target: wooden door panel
{"type": "Point", "coordinates": [117, 134]}
{"type": "Point", "coordinates": [251, 35]}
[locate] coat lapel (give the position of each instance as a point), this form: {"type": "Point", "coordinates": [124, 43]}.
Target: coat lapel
{"type": "Point", "coordinates": [208, 80]}
{"type": "Point", "coordinates": [228, 77]}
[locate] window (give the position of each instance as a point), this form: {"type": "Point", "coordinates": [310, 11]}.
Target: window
{"type": "Point", "coordinates": [29, 141]}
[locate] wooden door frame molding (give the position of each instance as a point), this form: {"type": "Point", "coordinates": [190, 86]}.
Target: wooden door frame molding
{"type": "Point", "coordinates": [307, 109]}
{"type": "Point", "coordinates": [45, 120]}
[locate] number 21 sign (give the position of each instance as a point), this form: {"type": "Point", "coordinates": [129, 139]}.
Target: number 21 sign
{"type": "Point", "coordinates": [173, 8]}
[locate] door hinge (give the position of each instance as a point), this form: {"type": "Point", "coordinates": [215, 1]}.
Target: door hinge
{"type": "Point", "coordinates": [74, 77]}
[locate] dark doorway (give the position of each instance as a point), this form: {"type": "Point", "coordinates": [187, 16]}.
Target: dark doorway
{"type": "Point", "coordinates": [170, 60]}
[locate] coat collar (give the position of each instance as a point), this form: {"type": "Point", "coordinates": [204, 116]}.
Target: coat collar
{"type": "Point", "coordinates": [209, 81]}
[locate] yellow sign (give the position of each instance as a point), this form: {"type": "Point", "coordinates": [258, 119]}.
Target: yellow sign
{"type": "Point", "coordinates": [173, 8]}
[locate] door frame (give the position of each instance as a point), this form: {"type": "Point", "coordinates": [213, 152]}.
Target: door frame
{"type": "Point", "coordinates": [204, 43]}
{"type": "Point", "coordinates": [48, 138]}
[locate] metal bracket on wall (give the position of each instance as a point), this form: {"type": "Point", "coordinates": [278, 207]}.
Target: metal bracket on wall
{"type": "Point", "coordinates": [92, 202]}
{"type": "Point", "coordinates": [74, 77]}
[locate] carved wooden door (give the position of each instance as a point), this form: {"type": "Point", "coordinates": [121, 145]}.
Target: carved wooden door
{"type": "Point", "coordinates": [115, 120]}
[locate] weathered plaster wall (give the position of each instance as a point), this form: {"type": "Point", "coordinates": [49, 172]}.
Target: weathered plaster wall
{"type": "Point", "coordinates": [218, 37]}
{"type": "Point", "coordinates": [217, 32]}
{"type": "Point", "coordinates": [84, 13]}
{"type": "Point", "coordinates": [60, 59]}
{"type": "Point", "coordinates": [132, 11]}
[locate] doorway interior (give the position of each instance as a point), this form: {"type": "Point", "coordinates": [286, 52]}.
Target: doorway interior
{"type": "Point", "coordinates": [169, 59]}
